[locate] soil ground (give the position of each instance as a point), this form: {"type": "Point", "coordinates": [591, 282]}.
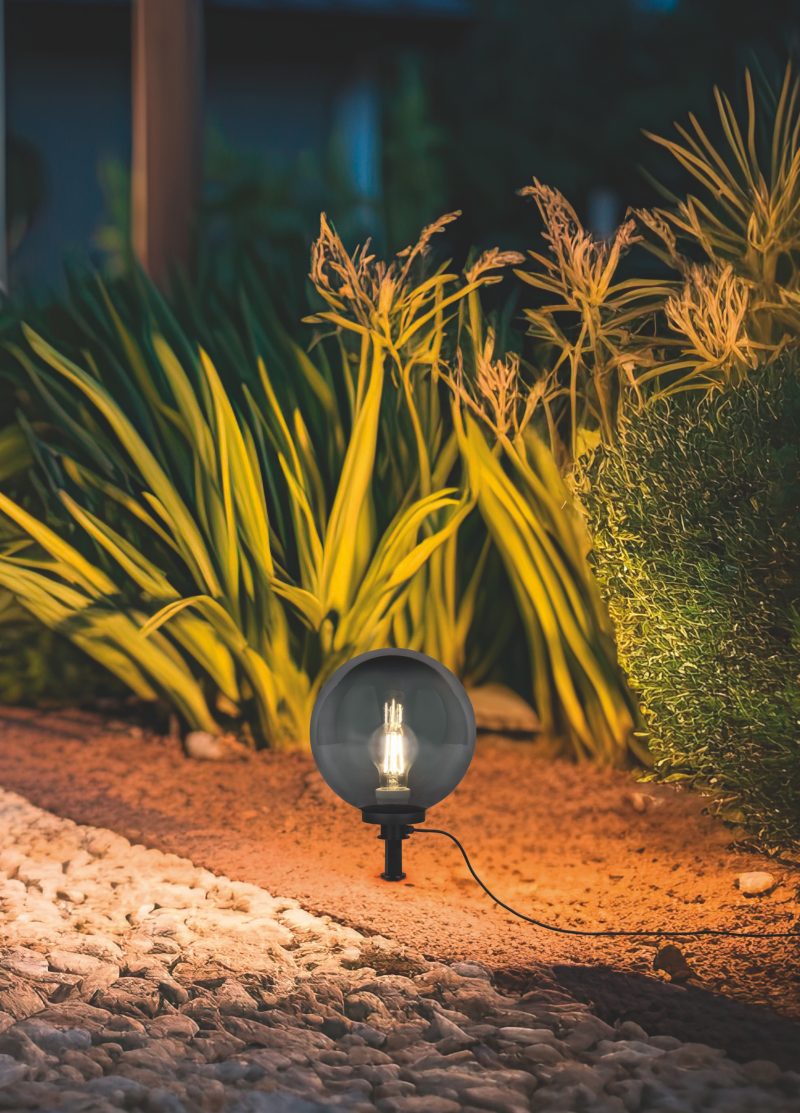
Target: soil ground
{"type": "Point", "coordinates": [559, 841]}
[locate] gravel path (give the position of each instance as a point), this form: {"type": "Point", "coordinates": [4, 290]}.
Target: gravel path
{"type": "Point", "coordinates": [130, 978]}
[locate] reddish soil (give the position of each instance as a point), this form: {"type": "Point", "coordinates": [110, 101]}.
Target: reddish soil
{"type": "Point", "coordinates": [560, 841]}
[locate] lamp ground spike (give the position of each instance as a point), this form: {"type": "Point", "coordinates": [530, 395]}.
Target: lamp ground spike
{"type": "Point", "coordinates": [393, 851]}
{"type": "Point", "coordinates": [396, 822]}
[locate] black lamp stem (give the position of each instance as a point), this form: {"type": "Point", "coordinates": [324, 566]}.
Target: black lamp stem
{"type": "Point", "coordinates": [396, 822]}
{"type": "Point", "coordinates": [393, 836]}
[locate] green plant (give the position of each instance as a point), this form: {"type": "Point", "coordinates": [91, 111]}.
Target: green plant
{"type": "Point", "coordinates": [15, 455]}
{"type": "Point", "coordinates": [414, 320]}
{"type": "Point", "coordinates": [695, 517]}
{"type": "Point", "coordinates": [595, 331]}
{"type": "Point", "coordinates": [606, 345]}
{"type": "Point", "coordinates": [36, 663]}
{"type": "Point", "coordinates": [205, 547]}
{"type": "Point", "coordinates": [578, 688]}
{"type": "Point", "coordinates": [223, 531]}
{"type": "Point", "coordinates": [746, 214]}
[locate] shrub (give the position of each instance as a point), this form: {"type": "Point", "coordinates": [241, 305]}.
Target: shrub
{"type": "Point", "coordinates": [695, 517]}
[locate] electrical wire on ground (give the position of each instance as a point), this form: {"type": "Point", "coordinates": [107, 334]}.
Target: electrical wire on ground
{"type": "Point", "coordinates": [628, 933]}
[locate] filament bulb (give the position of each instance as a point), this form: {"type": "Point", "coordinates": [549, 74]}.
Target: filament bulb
{"type": "Point", "coordinates": [393, 748]}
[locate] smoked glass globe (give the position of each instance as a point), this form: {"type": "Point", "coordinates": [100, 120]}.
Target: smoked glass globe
{"type": "Point", "coordinates": [393, 732]}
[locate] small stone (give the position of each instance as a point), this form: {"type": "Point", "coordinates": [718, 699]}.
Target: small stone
{"type": "Point", "coordinates": [471, 970]}
{"type": "Point", "coordinates": [20, 1000]}
{"type": "Point", "coordinates": [87, 1066]}
{"type": "Point", "coordinates": [587, 1033]}
{"type": "Point", "coordinates": [443, 1029]}
{"type": "Point", "coordinates": [527, 1035]}
{"type": "Point", "coordinates": [426, 1104]}
{"type": "Point", "coordinates": [55, 1041]}
{"type": "Point", "coordinates": [543, 1054]}
{"type": "Point", "coordinates": [762, 1071]}
{"type": "Point", "coordinates": [756, 884]}
{"type": "Point", "coordinates": [393, 1089]}
{"type": "Point", "coordinates": [671, 962]}
{"type": "Point", "coordinates": [203, 746]}
{"type": "Point", "coordinates": [495, 1099]}
{"type": "Point", "coordinates": [665, 1043]}
{"type": "Point", "coordinates": [630, 1030]}
{"type": "Point", "coordinates": [358, 1006]}
{"type": "Point", "coordinates": [639, 801]}
{"type": "Point", "coordinates": [11, 1071]}
{"type": "Point", "coordinates": [71, 894]}
{"type": "Point", "coordinates": [173, 1024]}
{"type": "Point", "coordinates": [335, 1027]}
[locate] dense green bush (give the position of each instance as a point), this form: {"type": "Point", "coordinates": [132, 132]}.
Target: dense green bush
{"type": "Point", "coordinates": [696, 523]}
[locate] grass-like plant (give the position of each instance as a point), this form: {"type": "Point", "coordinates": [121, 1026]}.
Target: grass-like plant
{"type": "Point", "coordinates": [594, 328]}
{"type": "Point", "coordinates": [578, 687]}
{"type": "Point", "coordinates": [745, 213]}
{"type": "Point", "coordinates": [606, 343]}
{"type": "Point", "coordinates": [223, 532]}
{"type": "Point", "coordinates": [208, 547]}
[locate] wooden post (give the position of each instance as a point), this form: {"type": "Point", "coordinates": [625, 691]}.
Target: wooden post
{"type": "Point", "coordinates": [167, 127]}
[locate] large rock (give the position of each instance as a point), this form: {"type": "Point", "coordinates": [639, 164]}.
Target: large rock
{"type": "Point", "coordinates": [500, 710]}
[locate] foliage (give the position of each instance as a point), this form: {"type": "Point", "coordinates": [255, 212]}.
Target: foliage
{"type": "Point", "coordinates": [222, 526]}
{"type": "Point", "coordinates": [747, 215]}
{"type": "Point", "coordinates": [206, 544]}
{"type": "Point", "coordinates": [220, 515]}
{"type": "Point", "coordinates": [37, 665]}
{"type": "Point", "coordinates": [607, 343]}
{"type": "Point", "coordinates": [695, 517]}
{"type": "Point", "coordinates": [576, 685]}
{"type": "Point", "coordinates": [595, 330]}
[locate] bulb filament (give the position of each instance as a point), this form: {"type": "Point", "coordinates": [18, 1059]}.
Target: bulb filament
{"type": "Point", "coordinates": [393, 748]}
{"type": "Point", "coordinates": [395, 761]}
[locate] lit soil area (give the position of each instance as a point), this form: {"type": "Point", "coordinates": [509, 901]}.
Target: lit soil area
{"type": "Point", "coordinates": [569, 844]}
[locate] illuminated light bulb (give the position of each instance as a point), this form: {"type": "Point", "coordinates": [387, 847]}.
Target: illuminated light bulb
{"type": "Point", "coordinates": [393, 748]}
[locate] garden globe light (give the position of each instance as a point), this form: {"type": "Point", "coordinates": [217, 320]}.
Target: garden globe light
{"type": "Point", "coordinates": [393, 733]}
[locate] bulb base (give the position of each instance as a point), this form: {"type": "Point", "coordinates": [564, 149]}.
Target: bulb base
{"type": "Point", "coordinates": [392, 795]}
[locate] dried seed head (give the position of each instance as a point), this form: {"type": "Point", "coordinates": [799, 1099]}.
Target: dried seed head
{"type": "Point", "coordinates": [492, 260]}
{"type": "Point", "coordinates": [579, 266]}
{"type": "Point", "coordinates": [711, 313]}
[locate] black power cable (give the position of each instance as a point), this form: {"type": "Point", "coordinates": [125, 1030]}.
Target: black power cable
{"type": "Point", "coordinates": [598, 932]}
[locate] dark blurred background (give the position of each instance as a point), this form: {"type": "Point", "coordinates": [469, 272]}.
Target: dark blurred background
{"type": "Point", "coordinates": [383, 112]}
